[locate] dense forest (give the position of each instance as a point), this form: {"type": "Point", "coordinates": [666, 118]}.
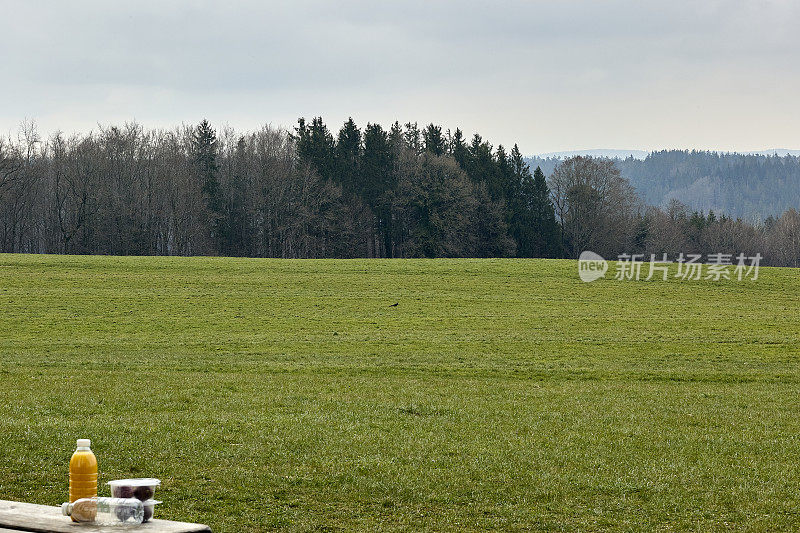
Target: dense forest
{"type": "Point", "coordinates": [401, 191]}
{"type": "Point", "coordinates": [753, 187]}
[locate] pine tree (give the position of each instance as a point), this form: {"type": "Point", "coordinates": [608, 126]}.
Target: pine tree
{"type": "Point", "coordinates": [315, 146]}
{"type": "Point", "coordinates": [204, 147]}
{"type": "Point", "coordinates": [515, 172]}
{"type": "Point", "coordinates": [518, 168]}
{"type": "Point", "coordinates": [532, 221]}
{"type": "Point", "coordinates": [237, 228]}
{"type": "Point", "coordinates": [503, 176]}
{"type": "Point", "coordinates": [536, 195]}
{"type": "Point", "coordinates": [377, 180]}
{"type": "Point", "coordinates": [347, 154]}
{"type": "Point", "coordinates": [413, 137]}
{"type": "Point", "coordinates": [459, 150]}
{"type": "Point", "coordinates": [433, 139]}
{"type": "Point", "coordinates": [396, 137]}
{"type": "Point", "coordinates": [482, 167]}
{"type": "Point", "coordinates": [204, 142]}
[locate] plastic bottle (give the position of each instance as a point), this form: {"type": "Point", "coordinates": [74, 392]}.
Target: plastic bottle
{"type": "Point", "coordinates": [105, 511]}
{"type": "Point", "coordinates": [82, 472]}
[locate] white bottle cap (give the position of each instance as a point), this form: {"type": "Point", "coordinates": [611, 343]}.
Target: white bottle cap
{"type": "Point", "coordinates": [65, 508]}
{"type": "Point", "coordinates": [84, 443]}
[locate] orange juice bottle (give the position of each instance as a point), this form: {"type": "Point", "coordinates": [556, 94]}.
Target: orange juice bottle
{"type": "Point", "coordinates": [82, 472]}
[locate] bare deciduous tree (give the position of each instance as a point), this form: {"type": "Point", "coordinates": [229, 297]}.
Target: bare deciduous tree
{"type": "Point", "coordinates": [595, 205]}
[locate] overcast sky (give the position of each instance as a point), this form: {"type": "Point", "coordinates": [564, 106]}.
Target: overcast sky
{"type": "Point", "coordinates": [550, 75]}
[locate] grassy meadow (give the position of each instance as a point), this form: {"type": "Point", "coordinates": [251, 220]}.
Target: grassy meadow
{"type": "Point", "coordinates": [496, 394]}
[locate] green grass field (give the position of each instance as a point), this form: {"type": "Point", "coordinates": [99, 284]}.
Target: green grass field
{"type": "Point", "coordinates": [497, 394]}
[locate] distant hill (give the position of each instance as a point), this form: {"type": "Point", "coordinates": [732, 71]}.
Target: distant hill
{"type": "Point", "coordinates": [611, 154]}
{"type": "Point", "coordinates": [750, 186]}
{"type": "Point", "coordinates": [641, 154]}
{"type": "Point", "coordinates": [781, 152]}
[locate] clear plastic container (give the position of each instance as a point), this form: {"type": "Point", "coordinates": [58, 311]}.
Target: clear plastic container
{"type": "Point", "coordinates": [149, 509]}
{"type": "Point", "coordinates": [141, 488]}
{"type": "Point", "coordinates": [105, 511]}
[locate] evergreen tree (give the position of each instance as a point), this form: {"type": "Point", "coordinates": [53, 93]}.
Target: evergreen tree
{"type": "Point", "coordinates": [412, 136]}
{"type": "Point", "coordinates": [315, 146]}
{"type": "Point", "coordinates": [396, 137]}
{"type": "Point", "coordinates": [237, 229]}
{"type": "Point", "coordinates": [503, 175]}
{"type": "Point", "coordinates": [204, 147]}
{"type": "Point", "coordinates": [515, 172]}
{"type": "Point", "coordinates": [544, 218]}
{"type": "Point", "coordinates": [459, 150]}
{"type": "Point", "coordinates": [377, 181]}
{"type": "Point", "coordinates": [376, 164]}
{"type": "Point", "coordinates": [347, 154]}
{"type": "Point", "coordinates": [535, 229]}
{"type": "Point", "coordinates": [434, 141]}
{"type": "Point", "coordinates": [398, 145]}
{"type": "Point", "coordinates": [482, 167]}
{"type": "Point", "coordinates": [204, 143]}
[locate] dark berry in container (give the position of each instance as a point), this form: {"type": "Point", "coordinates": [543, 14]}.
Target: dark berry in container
{"type": "Point", "coordinates": [142, 489]}
{"type": "Point", "coordinates": [122, 491]}
{"type": "Point", "coordinates": [143, 493]}
{"type": "Point", "coordinates": [149, 507]}
{"type": "Point", "coordinates": [125, 512]}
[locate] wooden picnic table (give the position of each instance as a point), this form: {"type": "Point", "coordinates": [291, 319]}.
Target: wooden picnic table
{"type": "Point", "coordinates": [21, 516]}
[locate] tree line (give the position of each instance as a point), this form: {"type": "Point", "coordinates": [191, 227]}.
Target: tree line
{"type": "Point", "coordinates": [598, 209]}
{"type": "Point", "coordinates": [750, 186]}
{"type": "Point", "coordinates": [405, 191]}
